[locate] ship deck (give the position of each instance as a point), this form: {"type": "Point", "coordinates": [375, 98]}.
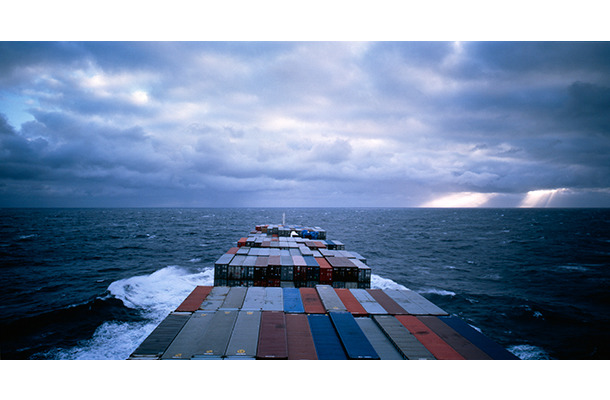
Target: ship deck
{"type": "Point", "coordinates": [288, 293]}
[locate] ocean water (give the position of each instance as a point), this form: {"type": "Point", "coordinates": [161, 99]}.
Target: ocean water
{"type": "Point", "coordinates": [93, 283]}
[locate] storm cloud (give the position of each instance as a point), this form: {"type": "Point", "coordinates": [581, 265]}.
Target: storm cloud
{"type": "Point", "coordinates": [305, 124]}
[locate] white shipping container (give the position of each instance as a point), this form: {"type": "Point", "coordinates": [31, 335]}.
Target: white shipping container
{"type": "Point", "coordinates": [274, 299]}
{"type": "Point", "coordinates": [214, 300]}
{"type": "Point", "coordinates": [255, 299]}
{"type": "Point", "coordinates": [329, 298]}
{"type": "Point", "coordinates": [368, 302]}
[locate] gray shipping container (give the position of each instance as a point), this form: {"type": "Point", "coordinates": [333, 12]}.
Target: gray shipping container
{"type": "Point", "coordinates": [221, 267]}
{"type": "Point", "coordinates": [216, 336]}
{"type": "Point", "coordinates": [255, 299]}
{"type": "Point", "coordinates": [327, 253]}
{"type": "Point", "coordinates": [329, 298]}
{"type": "Point", "coordinates": [244, 339]}
{"type": "Point", "coordinates": [380, 342]}
{"type": "Point", "coordinates": [215, 299]}
{"type": "Point", "coordinates": [412, 302]}
{"type": "Point", "coordinates": [159, 340]}
{"type": "Point", "coordinates": [305, 251]}
{"type": "Point", "coordinates": [404, 340]}
{"type": "Point", "coordinates": [188, 341]}
{"type": "Point", "coordinates": [368, 302]}
{"type": "Point", "coordinates": [234, 299]}
{"type": "Point", "coordinates": [249, 264]}
{"type": "Point", "coordinates": [347, 254]}
{"type": "Point", "coordinates": [428, 306]}
{"type": "Point", "coordinates": [243, 251]}
{"type": "Point", "coordinates": [359, 257]}
{"type": "Point", "coordinates": [274, 299]}
{"type": "Point", "coordinates": [287, 268]}
{"type": "Point", "coordinates": [299, 261]}
{"type": "Point", "coordinates": [364, 271]}
{"type": "Point", "coordinates": [236, 267]}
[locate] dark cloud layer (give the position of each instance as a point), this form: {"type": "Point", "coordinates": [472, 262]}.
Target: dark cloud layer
{"type": "Point", "coordinates": [304, 123]}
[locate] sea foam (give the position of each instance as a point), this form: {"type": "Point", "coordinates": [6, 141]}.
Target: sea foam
{"type": "Point", "coordinates": [155, 295]}
{"type": "Point", "coordinates": [529, 352]}
{"type": "Point", "coordinates": [439, 292]}
{"type": "Point", "coordinates": [111, 341]}
{"type": "Point", "coordinates": [378, 282]}
{"type": "Point", "coordinates": [161, 291]}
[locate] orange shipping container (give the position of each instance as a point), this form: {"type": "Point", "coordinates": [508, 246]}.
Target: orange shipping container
{"type": "Point", "coordinates": [351, 304]}
{"type": "Point", "coordinates": [437, 346]}
{"type": "Point", "coordinates": [194, 300]}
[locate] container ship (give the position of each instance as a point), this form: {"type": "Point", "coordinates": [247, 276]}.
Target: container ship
{"type": "Point", "coordinates": [287, 292]}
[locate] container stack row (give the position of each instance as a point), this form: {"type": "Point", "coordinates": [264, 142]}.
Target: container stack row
{"type": "Point", "coordinates": [267, 259]}
{"type": "Point", "coordinates": [291, 231]}
{"type": "Point", "coordinates": [323, 323]}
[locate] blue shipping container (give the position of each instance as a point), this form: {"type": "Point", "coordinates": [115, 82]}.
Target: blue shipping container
{"type": "Point", "coordinates": [354, 340]}
{"type": "Point", "coordinates": [490, 347]}
{"type": "Point", "coordinates": [292, 301]}
{"type": "Point", "coordinates": [328, 345]}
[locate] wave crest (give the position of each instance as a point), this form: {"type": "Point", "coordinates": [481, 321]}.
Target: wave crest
{"type": "Point", "coordinates": [378, 282]}
{"type": "Point", "coordinates": [529, 352]}
{"type": "Point", "coordinates": [439, 292]}
{"type": "Point", "coordinates": [161, 291]}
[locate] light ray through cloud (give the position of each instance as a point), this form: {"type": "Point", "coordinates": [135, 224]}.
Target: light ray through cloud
{"type": "Point", "coordinates": [390, 124]}
{"type": "Point", "coordinates": [541, 198]}
{"type": "Point", "coordinates": [460, 200]}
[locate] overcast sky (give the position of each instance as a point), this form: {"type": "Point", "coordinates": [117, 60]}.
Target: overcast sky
{"type": "Point", "coordinates": [400, 124]}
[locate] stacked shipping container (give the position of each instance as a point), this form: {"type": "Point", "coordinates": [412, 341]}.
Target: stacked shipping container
{"type": "Point", "coordinates": [323, 323]}
{"type": "Point", "coordinates": [305, 259]}
{"type": "Point", "coordinates": [288, 292]}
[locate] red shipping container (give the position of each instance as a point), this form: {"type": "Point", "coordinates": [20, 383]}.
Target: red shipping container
{"type": "Point", "coordinates": [194, 300]}
{"type": "Point", "coordinates": [387, 302]}
{"type": "Point", "coordinates": [320, 245]}
{"type": "Point", "coordinates": [233, 250]}
{"type": "Point", "coordinates": [274, 269]}
{"type": "Point", "coordinates": [241, 242]}
{"type": "Point", "coordinates": [440, 349]}
{"type": "Point", "coordinates": [459, 343]}
{"type": "Point", "coordinates": [351, 303]}
{"type": "Point", "coordinates": [311, 301]}
{"type": "Point", "coordinates": [273, 282]}
{"type": "Point", "coordinates": [326, 271]}
{"type": "Point", "coordinates": [299, 339]}
{"type": "Point", "coordinates": [300, 274]}
{"type": "Point", "coordinates": [272, 343]}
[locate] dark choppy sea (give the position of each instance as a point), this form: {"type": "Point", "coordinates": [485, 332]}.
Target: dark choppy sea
{"type": "Point", "coordinates": [93, 283]}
